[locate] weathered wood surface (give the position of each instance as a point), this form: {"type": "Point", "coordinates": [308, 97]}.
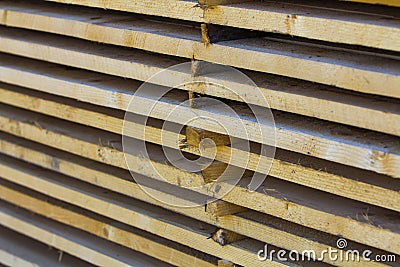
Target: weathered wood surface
{"type": "Point", "coordinates": [353, 147]}
{"type": "Point", "coordinates": [20, 251]}
{"type": "Point", "coordinates": [281, 93]}
{"type": "Point", "coordinates": [102, 227]}
{"type": "Point", "coordinates": [338, 25]}
{"type": "Point", "coordinates": [344, 68]}
{"type": "Point", "coordinates": [252, 224]}
{"type": "Point", "coordinates": [74, 242]}
{"type": "Point", "coordinates": [377, 190]}
{"type": "Point", "coordinates": [290, 202]}
{"type": "Point", "coordinates": [138, 214]}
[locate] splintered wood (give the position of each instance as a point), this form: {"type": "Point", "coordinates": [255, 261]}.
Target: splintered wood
{"type": "Point", "coordinates": [74, 193]}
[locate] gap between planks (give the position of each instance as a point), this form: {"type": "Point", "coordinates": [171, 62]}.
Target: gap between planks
{"type": "Point", "coordinates": [375, 152]}
{"type": "Point", "coordinates": [275, 232]}
{"type": "Point", "coordinates": [239, 196]}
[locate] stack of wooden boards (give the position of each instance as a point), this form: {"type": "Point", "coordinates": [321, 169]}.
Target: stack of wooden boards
{"type": "Point", "coordinates": [330, 71]}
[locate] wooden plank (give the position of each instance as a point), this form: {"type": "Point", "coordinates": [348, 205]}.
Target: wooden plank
{"type": "Point", "coordinates": [293, 203]}
{"type": "Point", "coordinates": [101, 26]}
{"type": "Point", "coordinates": [338, 26]}
{"type": "Point", "coordinates": [376, 190]}
{"type": "Point", "coordinates": [87, 247]}
{"type": "Point", "coordinates": [214, 171]}
{"type": "Point", "coordinates": [110, 56]}
{"type": "Point", "coordinates": [309, 99]}
{"type": "Point", "coordinates": [306, 61]}
{"type": "Point", "coordinates": [180, 9]}
{"type": "Point", "coordinates": [332, 142]}
{"type": "Point", "coordinates": [19, 251]}
{"type": "Point", "coordinates": [282, 94]}
{"type": "Point", "coordinates": [177, 228]}
{"type": "Point", "coordinates": [318, 64]}
{"type": "Point", "coordinates": [265, 228]}
{"type": "Point", "coordinates": [113, 231]}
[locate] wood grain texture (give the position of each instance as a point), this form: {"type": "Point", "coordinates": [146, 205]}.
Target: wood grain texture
{"type": "Point", "coordinates": [225, 263]}
{"type": "Point", "coordinates": [281, 94]}
{"type": "Point", "coordinates": [286, 95]}
{"type": "Point", "coordinates": [113, 231]}
{"type": "Point", "coordinates": [332, 215]}
{"type": "Point", "coordinates": [346, 69]}
{"type": "Point", "coordinates": [179, 9]}
{"type": "Point", "coordinates": [84, 246]}
{"type": "Point", "coordinates": [339, 26]}
{"type": "Point", "coordinates": [272, 231]}
{"type": "Point", "coordinates": [357, 148]}
{"type": "Point", "coordinates": [384, 195]}
{"type": "Point", "coordinates": [20, 251]}
{"type": "Point", "coordinates": [152, 219]}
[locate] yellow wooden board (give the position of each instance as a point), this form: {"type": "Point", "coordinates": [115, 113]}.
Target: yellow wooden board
{"type": "Point", "coordinates": [348, 187]}
{"type": "Point", "coordinates": [314, 22]}
{"type": "Point", "coordinates": [84, 246]}
{"type": "Point", "coordinates": [132, 212]}
{"type": "Point", "coordinates": [357, 148]}
{"type": "Point", "coordinates": [289, 203]}
{"type": "Point", "coordinates": [252, 224]}
{"type": "Point", "coordinates": [109, 230]}
{"type": "Point", "coordinates": [352, 70]}
{"type": "Point", "coordinates": [18, 250]}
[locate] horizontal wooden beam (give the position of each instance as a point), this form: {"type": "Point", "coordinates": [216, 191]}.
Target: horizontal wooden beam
{"type": "Point", "coordinates": [77, 243]}
{"type": "Point", "coordinates": [19, 250]}
{"type": "Point", "coordinates": [313, 138]}
{"type": "Point", "coordinates": [321, 179]}
{"type": "Point", "coordinates": [131, 212]}
{"type": "Point", "coordinates": [315, 63]}
{"type": "Point", "coordinates": [264, 228]}
{"type": "Point", "coordinates": [289, 207]}
{"type": "Point", "coordinates": [131, 238]}
{"type": "Point", "coordinates": [313, 22]}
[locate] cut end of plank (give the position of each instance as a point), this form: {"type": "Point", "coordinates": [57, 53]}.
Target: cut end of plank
{"type": "Point", "coordinates": [220, 208]}
{"type": "Point", "coordinates": [225, 237]}
{"type": "Point", "coordinates": [214, 171]}
{"type": "Point", "coordinates": [225, 263]}
{"type": "Point", "coordinates": [195, 136]}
